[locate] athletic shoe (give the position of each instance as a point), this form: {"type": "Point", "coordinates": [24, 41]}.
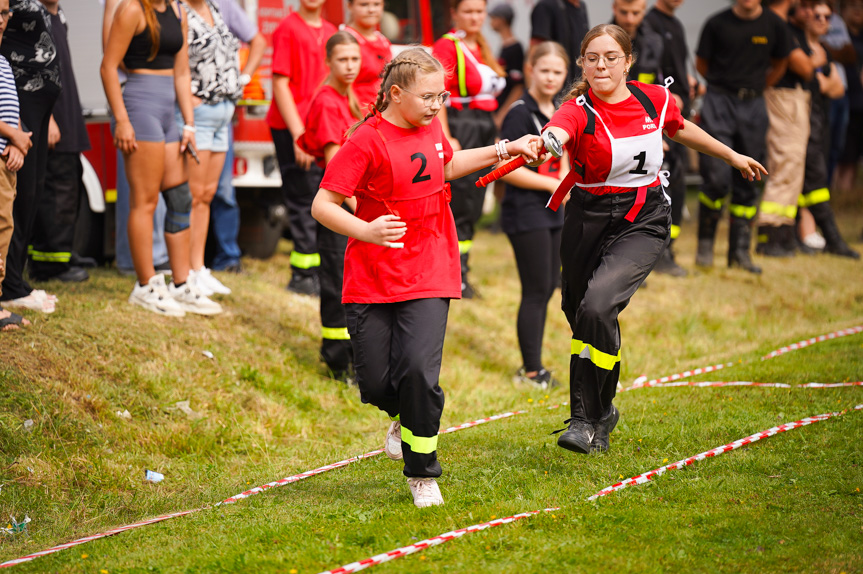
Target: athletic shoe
{"type": "Point", "coordinates": [577, 437]}
{"type": "Point", "coordinates": [603, 428]}
{"type": "Point", "coordinates": [426, 492]}
{"type": "Point", "coordinates": [307, 285]}
{"type": "Point", "coordinates": [207, 284]}
{"type": "Point", "coordinates": [541, 380]}
{"type": "Point", "coordinates": [154, 297]}
{"type": "Point", "coordinates": [199, 285]}
{"type": "Point", "coordinates": [191, 301]}
{"type": "Point", "coordinates": [393, 442]}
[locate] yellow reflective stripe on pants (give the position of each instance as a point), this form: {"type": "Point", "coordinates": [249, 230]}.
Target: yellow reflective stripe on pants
{"type": "Point", "coordinates": [597, 357]}
{"type": "Point", "coordinates": [745, 211]}
{"type": "Point", "coordinates": [464, 246]}
{"type": "Point", "coordinates": [675, 231]}
{"type": "Point", "coordinates": [814, 197]}
{"type": "Point", "coordinates": [305, 260]}
{"type": "Point", "coordinates": [49, 257]}
{"type": "Point", "coordinates": [714, 204]}
{"type": "Point", "coordinates": [419, 444]}
{"type": "Point", "coordinates": [773, 208]}
{"type": "Point", "coordinates": [335, 333]}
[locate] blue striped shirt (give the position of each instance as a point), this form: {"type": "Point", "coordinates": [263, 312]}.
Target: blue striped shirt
{"type": "Point", "coordinates": [8, 99]}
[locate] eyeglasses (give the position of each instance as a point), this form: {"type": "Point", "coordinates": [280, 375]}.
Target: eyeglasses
{"type": "Point", "coordinates": [821, 17]}
{"type": "Point", "coordinates": [430, 99]}
{"type": "Point", "coordinates": [5, 14]}
{"type": "Point", "coordinates": [592, 60]}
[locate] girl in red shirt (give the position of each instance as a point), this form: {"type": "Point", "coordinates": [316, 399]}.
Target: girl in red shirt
{"type": "Point", "coordinates": [365, 17]}
{"type": "Point", "coordinates": [332, 112]}
{"type": "Point", "coordinates": [401, 264]}
{"type": "Point", "coordinates": [475, 79]}
{"type": "Point", "coordinates": [618, 219]}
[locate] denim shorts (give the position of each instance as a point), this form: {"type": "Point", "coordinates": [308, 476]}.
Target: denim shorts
{"type": "Point", "coordinates": [211, 125]}
{"type": "Point", "coordinates": [149, 101]}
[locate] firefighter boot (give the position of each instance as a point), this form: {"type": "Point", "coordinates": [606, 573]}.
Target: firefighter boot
{"type": "Point", "coordinates": [823, 214]}
{"type": "Point", "coordinates": [708, 219]}
{"type": "Point", "coordinates": [667, 265]}
{"type": "Point", "coordinates": [739, 238]}
{"type": "Point", "coordinates": [772, 241]}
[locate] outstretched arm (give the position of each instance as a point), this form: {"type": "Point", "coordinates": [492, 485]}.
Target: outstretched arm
{"type": "Point", "coordinates": [696, 138]}
{"type": "Point", "coordinates": [468, 161]}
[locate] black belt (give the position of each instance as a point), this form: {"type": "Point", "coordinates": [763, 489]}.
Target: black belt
{"type": "Point", "coordinates": [741, 94]}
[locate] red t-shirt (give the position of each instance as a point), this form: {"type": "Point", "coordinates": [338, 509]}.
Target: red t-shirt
{"type": "Point", "coordinates": [375, 55]}
{"type": "Point", "coordinates": [445, 52]}
{"type": "Point", "coordinates": [623, 119]}
{"type": "Point", "coordinates": [299, 52]}
{"type": "Point", "coordinates": [428, 264]}
{"type": "Point", "coordinates": [328, 119]}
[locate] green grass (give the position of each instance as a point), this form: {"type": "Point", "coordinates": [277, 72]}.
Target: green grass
{"type": "Point", "coordinates": [788, 503]}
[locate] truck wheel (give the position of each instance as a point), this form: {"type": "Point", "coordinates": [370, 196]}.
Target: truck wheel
{"type": "Point", "coordinates": [262, 219]}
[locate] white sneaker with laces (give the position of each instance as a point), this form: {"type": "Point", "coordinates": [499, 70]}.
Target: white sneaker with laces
{"type": "Point", "coordinates": [193, 279]}
{"type": "Point", "coordinates": [154, 297]}
{"type": "Point", "coordinates": [192, 301]}
{"type": "Point", "coordinates": [393, 442]}
{"type": "Point", "coordinates": [426, 492]}
{"type": "Point", "coordinates": [205, 281]}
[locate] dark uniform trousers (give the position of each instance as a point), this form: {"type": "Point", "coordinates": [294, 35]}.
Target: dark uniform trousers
{"type": "Point", "coordinates": [299, 188]}
{"type": "Point", "coordinates": [54, 231]}
{"type": "Point", "coordinates": [605, 259]}
{"type": "Point", "coordinates": [397, 356]}
{"type": "Point", "coordinates": [472, 128]}
{"type": "Point", "coordinates": [335, 341]}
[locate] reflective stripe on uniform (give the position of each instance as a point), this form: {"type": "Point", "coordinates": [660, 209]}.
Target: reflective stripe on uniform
{"type": "Point", "coordinates": [773, 208]}
{"type": "Point", "coordinates": [305, 260]}
{"type": "Point", "coordinates": [814, 197]}
{"type": "Point", "coordinates": [744, 211]}
{"type": "Point", "coordinates": [714, 204]}
{"type": "Point", "coordinates": [462, 74]}
{"type": "Point", "coordinates": [675, 231]}
{"type": "Point", "coordinates": [419, 444]}
{"type": "Point", "coordinates": [646, 78]}
{"type": "Point", "coordinates": [48, 256]}
{"type": "Point", "coordinates": [335, 333]}
{"type": "Point", "coordinates": [464, 246]}
{"type": "Point", "coordinates": [597, 357]}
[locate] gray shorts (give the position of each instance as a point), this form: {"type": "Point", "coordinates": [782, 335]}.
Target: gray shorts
{"type": "Point", "coordinates": [149, 103]}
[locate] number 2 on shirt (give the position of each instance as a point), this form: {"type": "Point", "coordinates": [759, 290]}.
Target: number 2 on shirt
{"type": "Point", "coordinates": [421, 176]}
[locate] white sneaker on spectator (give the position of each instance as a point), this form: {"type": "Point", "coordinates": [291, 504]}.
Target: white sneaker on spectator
{"type": "Point", "coordinates": [207, 284]}
{"type": "Point", "coordinates": [426, 492]}
{"type": "Point", "coordinates": [393, 442]}
{"type": "Point", "coordinates": [202, 289]}
{"type": "Point", "coordinates": [192, 301]}
{"type": "Point", "coordinates": [154, 297]}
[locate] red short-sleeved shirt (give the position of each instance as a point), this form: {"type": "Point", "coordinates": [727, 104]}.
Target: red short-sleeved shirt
{"type": "Point", "coordinates": [624, 119]}
{"type": "Point", "coordinates": [375, 55]}
{"type": "Point", "coordinates": [328, 120]}
{"type": "Point", "coordinates": [445, 52]}
{"type": "Point", "coordinates": [428, 265]}
{"type": "Point", "coordinates": [299, 52]}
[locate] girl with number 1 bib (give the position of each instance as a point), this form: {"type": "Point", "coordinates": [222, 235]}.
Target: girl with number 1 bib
{"type": "Point", "coordinates": [402, 260]}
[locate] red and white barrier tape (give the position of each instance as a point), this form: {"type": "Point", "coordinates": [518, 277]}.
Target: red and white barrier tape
{"type": "Point", "coordinates": [642, 381]}
{"type": "Point", "coordinates": [830, 385]}
{"type": "Point", "coordinates": [647, 476]}
{"type": "Point", "coordinates": [754, 384]}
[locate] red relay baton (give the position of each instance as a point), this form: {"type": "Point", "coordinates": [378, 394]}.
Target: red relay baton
{"type": "Point", "coordinates": [550, 144]}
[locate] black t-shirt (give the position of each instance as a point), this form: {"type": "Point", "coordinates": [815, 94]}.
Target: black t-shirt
{"type": "Point", "coordinates": [852, 72]}
{"type": "Point", "coordinates": [820, 102]}
{"type": "Point", "coordinates": [28, 46]}
{"type": "Point", "coordinates": [647, 48]}
{"type": "Point", "coordinates": [675, 52]}
{"type": "Point", "coordinates": [564, 23]}
{"type": "Point", "coordinates": [739, 52]}
{"type": "Point", "coordinates": [67, 108]}
{"type": "Point", "coordinates": [524, 209]}
{"type": "Point", "coordinates": [512, 61]}
{"type": "Point", "coordinates": [798, 40]}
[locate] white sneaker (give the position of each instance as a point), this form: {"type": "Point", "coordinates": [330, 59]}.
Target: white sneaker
{"type": "Point", "coordinates": [393, 442]}
{"type": "Point", "coordinates": [202, 289]}
{"type": "Point", "coordinates": [426, 492]}
{"type": "Point", "coordinates": [192, 301]}
{"type": "Point", "coordinates": [207, 284]}
{"type": "Point", "coordinates": [154, 297]}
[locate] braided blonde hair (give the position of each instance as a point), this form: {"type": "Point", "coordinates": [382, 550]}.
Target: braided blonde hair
{"type": "Point", "coordinates": [401, 71]}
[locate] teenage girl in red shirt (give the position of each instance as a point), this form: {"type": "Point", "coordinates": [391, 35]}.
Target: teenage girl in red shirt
{"type": "Point", "coordinates": [401, 264]}
{"type": "Point", "coordinates": [333, 111]}
{"type": "Point", "coordinates": [618, 219]}
{"type": "Point", "coordinates": [365, 17]}
{"type": "Point", "coordinates": [475, 79]}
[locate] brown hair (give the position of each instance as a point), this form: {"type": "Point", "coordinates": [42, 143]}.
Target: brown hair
{"type": "Point", "coordinates": [617, 34]}
{"type": "Point", "coordinates": [547, 48]}
{"type": "Point", "coordinates": [487, 55]}
{"type": "Point", "coordinates": [153, 26]}
{"type": "Point", "coordinates": [343, 38]}
{"type": "Point", "coordinates": [402, 71]}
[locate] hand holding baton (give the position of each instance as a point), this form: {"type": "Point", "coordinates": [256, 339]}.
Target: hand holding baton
{"type": "Point", "coordinates": [550, 144]}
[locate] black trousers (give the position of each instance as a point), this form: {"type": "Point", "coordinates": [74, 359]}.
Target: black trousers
{"type": "Point", "coordinates": [678, 162]}
{"type": "Point", "coordinates": [397, 356]}
{"type": "Point", "coordinates": [299, 187]}
{"type": "Point", "coordinates": [35, 114]}
{"type": "Point", "coordinates": [605, 259]}
{"type": "Point", "coordinates": [537, 256]}
{"type": "Point", "coordinates": [816, 177]}
{"type": "Point", "coordinates": [336, 348]}
{"type": "Point", "coordinates": [54, 231]}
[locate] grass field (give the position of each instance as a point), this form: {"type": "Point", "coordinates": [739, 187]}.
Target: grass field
{"type": "Point", "coordinates": [263, 410]}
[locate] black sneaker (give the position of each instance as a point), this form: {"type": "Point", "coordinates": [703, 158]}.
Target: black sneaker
{"type": "Point", "coordinates": [305, 285]}
{"type": "Point", "coordinates": [603, 428]}
{"type": "Point", "coordinates": [577, 437]}
{"type": "Point", "coordinates": [80, 261]}
{"type": "Point", "coordinates": [541, 380]}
